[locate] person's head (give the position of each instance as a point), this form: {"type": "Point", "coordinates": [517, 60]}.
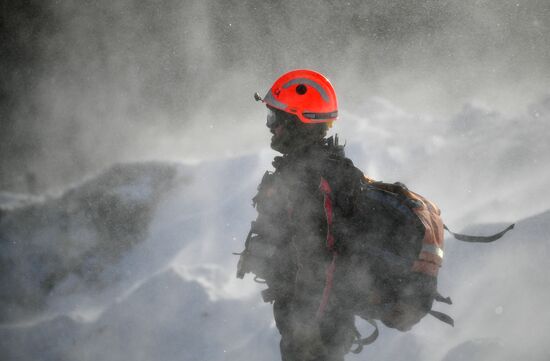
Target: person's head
{"type": "Point", "coordinates": [289, 133]}
{"type": "Point", "coordinates": [301, 107]}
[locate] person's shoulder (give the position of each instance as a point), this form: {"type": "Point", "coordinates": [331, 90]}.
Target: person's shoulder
{"type": "Point", "coordinates": [336, 161]}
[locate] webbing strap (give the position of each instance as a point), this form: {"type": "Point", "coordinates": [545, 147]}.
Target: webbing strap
{"type": "Point", "coordinates": [443, 317]}
{"type": "Point", "coordinates": [479, 239]}
{"type": "Point", "coordinates": [361, 342]}
{"type": "Point", "coordinates": [442, 299]}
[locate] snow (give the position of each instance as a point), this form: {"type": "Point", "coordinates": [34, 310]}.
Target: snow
{"type": "Point", "coordinates": [135, 263]}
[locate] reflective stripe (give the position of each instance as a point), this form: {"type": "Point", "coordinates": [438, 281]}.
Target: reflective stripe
{"type": "Point", "coordinates": [311, 83]}
{"type": "Point", "coordinates": [433, 249]}
{"type": "Point", "coordinates": [270, 99]}
{"type": "Point", "coordinates": [313, 115]}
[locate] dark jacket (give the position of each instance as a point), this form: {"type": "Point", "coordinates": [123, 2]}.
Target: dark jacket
{"type": "Point", "coordinates": [288, 242]}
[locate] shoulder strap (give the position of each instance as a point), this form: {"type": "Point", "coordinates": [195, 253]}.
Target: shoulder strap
{"type": "Point", "coordinates": [329, 272]}
{"type": "Point", "coordinates": [439, 298]}
{"type": "Point", "coordinates": [361, 342]}
{"type": "Point", "coordinates": [443, 317]}
{"type": "Point", "coordinates": [479, 239]}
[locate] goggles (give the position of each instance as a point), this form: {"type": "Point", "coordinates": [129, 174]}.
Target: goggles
{"type": "Point", "coordinates": [274, 118]}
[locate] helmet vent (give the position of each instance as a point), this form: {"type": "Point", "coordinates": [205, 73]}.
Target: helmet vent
{"type": "Point", "coordinates": [301, 89]}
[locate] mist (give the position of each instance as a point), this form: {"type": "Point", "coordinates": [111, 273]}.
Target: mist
{"type": "Point", "coordinates": [131, 146]}
{"type": "Point", "coordinates": [88, 84]}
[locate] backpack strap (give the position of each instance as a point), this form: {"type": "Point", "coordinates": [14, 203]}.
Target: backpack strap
{"type": "Point", "coordinates": [361, 342]}
{"type": "Point", "coordinates": [443, 317]}
{"type": "Point", "coordinates": [479, 239]}
{"type": "Point", "coordinates": [442, 299]}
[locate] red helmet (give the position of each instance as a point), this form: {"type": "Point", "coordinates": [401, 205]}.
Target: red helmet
{"type": "Point", "coordinates": [305, 93]}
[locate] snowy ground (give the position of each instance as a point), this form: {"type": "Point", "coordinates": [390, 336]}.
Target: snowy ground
{"type": "Point", "coordinates": [136, 264]}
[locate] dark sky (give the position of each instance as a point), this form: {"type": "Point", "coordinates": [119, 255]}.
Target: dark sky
{"type": "Point", "coordinates": [87, 83]}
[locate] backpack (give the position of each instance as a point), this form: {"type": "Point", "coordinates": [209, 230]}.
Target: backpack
{"type": "Point", "coordinates": [392, 249]}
